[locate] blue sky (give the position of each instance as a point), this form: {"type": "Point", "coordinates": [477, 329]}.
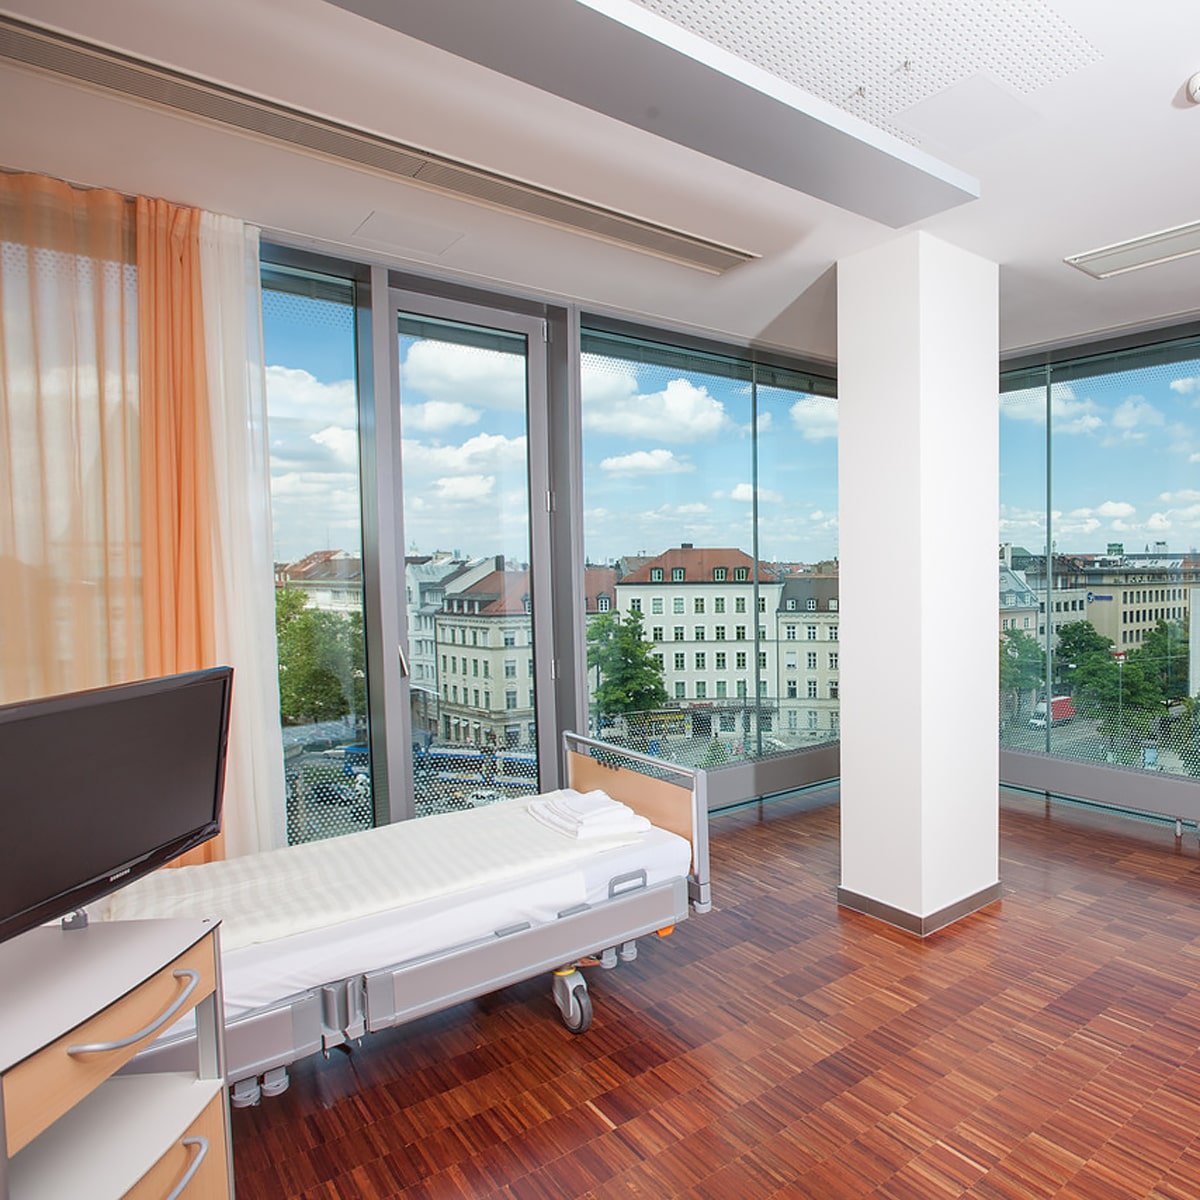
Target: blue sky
{"type": "Point", "coordinates": [1125, 464]}
{"type": "Point", "coordinates": [668, 458]}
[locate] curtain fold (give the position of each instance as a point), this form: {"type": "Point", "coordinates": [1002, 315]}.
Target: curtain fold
{"type": "Point", "coordinates": [175, 438]}
{"type": "Point", "coordinates": [70, 599]}
{"type": "Point", "coordinates": [242, 556]}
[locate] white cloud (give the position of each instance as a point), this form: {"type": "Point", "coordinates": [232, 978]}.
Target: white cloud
{"type": "Point", "coordinates": [465, 488]}
{"type": "Point", "coordinates": [438, 415]}
{"type": "Point", "coordinates": [687, 510]}
{"type": "Point", "coordinates": [1187, 386]}
{"type": "Point", "coordinates": [478, 455]}
{"type": "Point", "coordinates": [1158, 522]}
{"type": "Point", "coordinates": [1110, 508]}
{"type": "Point", "coordinates": [645, 462]}
{"type": "Point", "coordinates": [605, 381]}
{"type": "Point", "coordinates": [1135, 411]}
{"type": "Point", "coordinates": [1069, 413]}
{"type": "Point", "coordinates": [744, 494]}
{"type": "Point", "coordinates": [341, 443]}
{"type": "Point", "coordinates": [765, 421]}
{"type": "Point", "coordinates": [464, 375]}
{"type": "Point", "coordinates": [815, 418]}
{"type": "Point", "coordinates": [1185, 496]}
{"type": "Point", "coordinates": [681, 412]}
{"type": "Point", "coordinates": [1193, 458]}
{"type": "Point", "coordinates": [292, 392]}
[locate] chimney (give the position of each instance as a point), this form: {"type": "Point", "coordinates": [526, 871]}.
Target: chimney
{"type": "Point", "coordinates": [685, 545]}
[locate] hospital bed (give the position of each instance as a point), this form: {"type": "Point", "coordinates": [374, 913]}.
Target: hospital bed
{"type": "Point", "coordinates": [325, 942]}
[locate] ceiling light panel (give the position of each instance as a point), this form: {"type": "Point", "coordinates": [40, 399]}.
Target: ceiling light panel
{"type": "Point", "coordinates": [1164, 246]}
{"type": "Point", "coordinates": [854, 53]}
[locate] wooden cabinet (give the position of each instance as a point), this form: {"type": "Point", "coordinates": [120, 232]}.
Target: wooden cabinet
{"type": "Point", "coordinates": [75, 1007]}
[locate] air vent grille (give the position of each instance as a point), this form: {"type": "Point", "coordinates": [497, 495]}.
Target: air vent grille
{"type": "Point", "coordinates": [47, 50]}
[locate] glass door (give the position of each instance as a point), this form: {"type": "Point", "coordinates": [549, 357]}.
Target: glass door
{"type": "Point", "coordinates": [468, 633]}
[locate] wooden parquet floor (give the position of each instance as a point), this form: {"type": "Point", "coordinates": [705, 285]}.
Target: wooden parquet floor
{"type": "Point", "coordinates": [1046, 1047]}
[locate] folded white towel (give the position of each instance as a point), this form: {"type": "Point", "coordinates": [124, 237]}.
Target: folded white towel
{"type": "Point", "coordinates": [614, 825]}
{"type": "Point", "coordinates": [590, 806]}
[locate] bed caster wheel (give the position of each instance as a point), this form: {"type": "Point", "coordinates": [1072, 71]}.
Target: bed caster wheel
{"type": "Point", "coordinates": [579, 1020]}
{"type": "Point", "coordinates": [571, 996]}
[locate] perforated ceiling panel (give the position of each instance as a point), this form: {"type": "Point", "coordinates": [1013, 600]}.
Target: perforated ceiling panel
{"type": "Point", "coordinates": [876, 58]}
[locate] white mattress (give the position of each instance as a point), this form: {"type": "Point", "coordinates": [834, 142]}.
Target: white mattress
{"type": "Point", "coordinates": [296, 918]}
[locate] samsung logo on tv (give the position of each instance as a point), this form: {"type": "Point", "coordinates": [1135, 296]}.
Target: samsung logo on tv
{"type": "Point", "coordinates": [113, 878]}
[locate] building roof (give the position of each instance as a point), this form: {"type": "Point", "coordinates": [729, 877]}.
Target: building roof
{"type": "Point", "coordinates": [323, 566]}
{"type": "Point", "coordinates": [698, 565]}
{"type": "Point", "coordinates": [802, 588]}
{"type": "Point", "coordinates": [599, 581]}
{"type": "Point", "coordinates": [499, 593]}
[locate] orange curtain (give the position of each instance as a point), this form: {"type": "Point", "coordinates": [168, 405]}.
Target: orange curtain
{"type": "Point", "coordinates": [70, 598]}
{"type": "Point", "coordinates": [176, 451]}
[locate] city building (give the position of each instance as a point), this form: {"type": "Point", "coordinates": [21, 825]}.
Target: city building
{"type": "Point", "coordinates": [705, 610]}
{"type": "Point", "coordinates": [427, 580]}
{"type": "Point", "coordinates": [484, 644]}
{"type": "Point", "coordinates": [331, 580]}
{"type": "Point", "coordinates": [807, 657]}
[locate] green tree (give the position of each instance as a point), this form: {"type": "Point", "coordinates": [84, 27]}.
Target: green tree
{"type": "Point", "coordinates": [1121, 697]}
{"type": "Point", "coordinates": [631, 680]}
{"type": "Point", "coordinates": [1077, 641]}
{"type": "Point", "coordinates": [1163, 657]}
{"type": "Point", "coordinates": [1022, 669]}
{"type": "Point", "coordinates": [316, 660]}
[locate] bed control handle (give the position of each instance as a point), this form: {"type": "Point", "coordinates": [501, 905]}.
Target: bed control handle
{"type": "Point", "coordinates": [201, 1144]}
{"type": "Point", "coordinates": [193, 980]}
{"type": "Point", "coordinates": [631, 881]}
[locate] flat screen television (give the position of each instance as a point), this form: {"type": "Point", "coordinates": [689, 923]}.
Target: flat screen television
{"type": "Point", "coordinates": [98, 788]}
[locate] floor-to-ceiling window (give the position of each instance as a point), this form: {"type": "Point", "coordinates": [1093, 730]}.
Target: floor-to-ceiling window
{"type": "Point", "coordinates": [313, 429]}
{"type": "Point", "coordinates": [710, 529]}
{"type": "Point", "coordinates": [1099, 570]}
{"type": "Point", "coordinates": [464, 457]}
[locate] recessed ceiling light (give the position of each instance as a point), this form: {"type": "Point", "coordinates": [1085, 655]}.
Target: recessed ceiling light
{"type": "Point", "coordinates": [1147, 251]}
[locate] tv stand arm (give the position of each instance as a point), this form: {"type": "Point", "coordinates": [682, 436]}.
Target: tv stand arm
{"type": "Point", "coordinates": [75, 920]}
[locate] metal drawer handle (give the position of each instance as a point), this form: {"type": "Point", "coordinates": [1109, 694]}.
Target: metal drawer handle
{"type": "Point", "coordinates": [202, 1142]}
{"type": "Point", "coordinates": [193, 978]}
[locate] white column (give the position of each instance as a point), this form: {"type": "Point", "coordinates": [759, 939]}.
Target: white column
{"type": "Point", "coordinates": [918, 481]}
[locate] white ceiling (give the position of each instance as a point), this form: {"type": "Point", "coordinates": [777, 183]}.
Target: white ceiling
{"type": "Point", "coordinates": [1104, 149]}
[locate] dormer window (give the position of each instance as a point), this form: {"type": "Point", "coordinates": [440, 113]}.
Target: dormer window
{"type": "Point", "coordinates": [602, 603]}
{"type": "Point", "coordinates": [525, 603]}
{"type": "Point", "coordinates": [811, 604]}
{"type": "Point", "coordinates": [656, 574]}
{"type": "Point", "coordinates": [791, 606]}
{"type": "Point", "coordinates": [677, 574]}
{"type": "Point", "coordinates": [833, 604]}
{"type": "Point", "coordinates": [719, 574]}
{"type": "Point", "coordinates": [741, 574]}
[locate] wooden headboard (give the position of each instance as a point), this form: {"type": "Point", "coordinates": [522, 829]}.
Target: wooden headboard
{"type": "Point", "coordinates": [678, 805]}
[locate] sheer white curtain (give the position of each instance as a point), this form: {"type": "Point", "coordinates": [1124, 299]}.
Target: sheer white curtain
{"type": "Point", "coordinates": [243, 569]}
{"type": "Point", "coordinates": [70, 536]}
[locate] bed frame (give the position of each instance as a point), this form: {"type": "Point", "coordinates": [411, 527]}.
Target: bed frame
{"type": "Point", "coordinates": [259, 1046]}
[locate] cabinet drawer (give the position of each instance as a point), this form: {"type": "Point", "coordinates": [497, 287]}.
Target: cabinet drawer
{"type": "Point", "coordinates": [40, 1089]}
{"type": "Point", "coordinates": [203, 1147]}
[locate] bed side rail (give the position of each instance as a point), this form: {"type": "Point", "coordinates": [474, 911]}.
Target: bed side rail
{"type": "Point", "coordinates": [672, 796]}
